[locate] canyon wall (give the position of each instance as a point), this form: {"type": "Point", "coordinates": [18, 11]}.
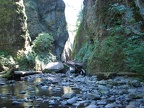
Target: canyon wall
{"type": "Point", "coordinates": [13, 26]}
{"type": "Point", "coordinates": [48, 16]}
{"type": "Point", "coordinates": [110, 37]}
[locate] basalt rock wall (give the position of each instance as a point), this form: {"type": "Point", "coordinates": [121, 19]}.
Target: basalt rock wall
{"type": "Point", "coordinates": [13, 26]}
{"type": "Point", "coordinates": [20, 19]}
{"type": "Point", "coordinates": [48, 16]}
{"type": "Point", "coordinates": [110, 36]}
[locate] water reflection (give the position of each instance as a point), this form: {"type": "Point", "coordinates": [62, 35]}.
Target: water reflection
{"type": "Point", "coordinates": [28, 93]}
{"type": "Point", "coordinates": [67, 90]}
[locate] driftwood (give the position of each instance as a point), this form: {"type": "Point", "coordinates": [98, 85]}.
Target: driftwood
{"type": "Point", "coordinates": [16, 75]}
{"type": "Point", "coordinates": [78, 66]}
{"type": "Point", "coordinates": [26, 72]}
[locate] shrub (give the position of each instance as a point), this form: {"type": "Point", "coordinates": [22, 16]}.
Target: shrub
{"type": "Point", "coordinates": [26, 61]}
{"type": "Point", "coordinates": [135, 56]}
{"type": "Point", "coordinates": [43, 43]}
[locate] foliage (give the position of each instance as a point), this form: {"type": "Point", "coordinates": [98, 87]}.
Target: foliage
{"type": "Point", "coordinates": [79, 19]}
{"type": "Point", "coordinates": [7, 61]}
{"type": "Point", "coordinates": [6, 12]}
{"type": "Point", "coordinates": [43, 43]}
{"type": "Point", "coordinates": [116, 8]}
{"type": "Point", "coordinates": [26, 60]}
{"type": "Point", "coordinates": [135, 55]}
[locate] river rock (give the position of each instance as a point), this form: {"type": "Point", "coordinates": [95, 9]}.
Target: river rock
{"type": "Point", "coordinates": [44, 87]}
{"type": "Point", "coordinates": [2, 83]}
{"type": "Point", "coordinates": [16, 103]}
{"type": "Point", "coordinates": [72, 100]}
{"type": "Point", "coordinates": [101, 102]}
{"type": "Point", "coordinates": [111, 105]}
{"type": "Point", "coordinates": [54, 66]}
{"type": "Point", "coordinates": [52, 102]}
{"type": "Point", "coordinates": [130, 106]}
{"type": "Point", "coordinates": [39, 99]}
{"type": "Point", "coordinates": [68, 95]}
{"type": "Point", "coordinates": [92, 106]}
{"type": "Point", "coordinates": [23, 92]}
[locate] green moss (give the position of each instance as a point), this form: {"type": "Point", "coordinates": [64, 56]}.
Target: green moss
{"type": "Point", "coordinates": [6, 12]}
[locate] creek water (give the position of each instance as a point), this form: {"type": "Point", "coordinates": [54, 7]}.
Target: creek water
{"type": "Point", "coordinates": [29, 94]}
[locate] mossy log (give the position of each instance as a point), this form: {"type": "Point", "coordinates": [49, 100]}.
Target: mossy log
{"type": "Point", "coordinates": [16, 75]}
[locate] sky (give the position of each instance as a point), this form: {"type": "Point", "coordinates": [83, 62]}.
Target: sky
{"type": "Point", "coordinates": [71, 11]}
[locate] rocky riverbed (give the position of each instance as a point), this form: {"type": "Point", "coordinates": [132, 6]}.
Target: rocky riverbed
{"type": "Point", "coordinates": [71, 91]}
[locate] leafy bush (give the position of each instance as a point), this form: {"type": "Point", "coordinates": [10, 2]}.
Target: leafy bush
{"type": "Point", "coordinates": [43, 43]}
{"type": "Point", "coordinates": [135, 56]}
{"type": "Point", "coordinates": [26, 61]}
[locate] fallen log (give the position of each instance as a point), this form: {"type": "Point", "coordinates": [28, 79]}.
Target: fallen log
{"type": "Point", "coordinates": [26, 72]}
{"type": "Point", "coordinates": [76, 67]}
{"type": "Point", "coordinates": [16, 75]}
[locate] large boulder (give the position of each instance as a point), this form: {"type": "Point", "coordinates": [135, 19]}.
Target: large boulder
{"type": "Point", "coordinates": [54, 67]}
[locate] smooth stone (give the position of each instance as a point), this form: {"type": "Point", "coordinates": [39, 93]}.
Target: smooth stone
{"type": "Point", "coordinates": [93, 96]}
{"type": "Point", "coordinates": [130, 106]}
{"type": "Point", "coordinates": [102, 87]}
{"type": "Point", "coordinates": [92, 106]}
{"type": "Point", "coordinates": [135, 83]}
{"type": "Point", "coordinates": [102, 82]}
{"type": "Point", "coordinates": [2, 83]}
{"type": "Point", "coordinates": [23, 92]}
{"type": "Point", "coordinates": [44, 87]}
{"type": "Point", "coordinates": [39, 99]}
{"type": "Point", "coordinates": [72, 100]}
{"type": "Point", "coordinates": [79, 103]}
{"type": "Point", "coordinates": [111, 99]}
{"type": "Point", "coordinates": [68, 95]}
{"type": "Point", "coordinates": [111, 105]}
{"type": "Point", "coordinates": [52, 102]}
{"type": "Point", "coordinates": [29, 106]}
{"type": "Point", "coordinates": [16, 103]}
{"type": "Point", "coordinates": [101, 102]}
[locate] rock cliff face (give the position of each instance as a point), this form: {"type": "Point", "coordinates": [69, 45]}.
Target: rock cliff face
{"type": "Point", "coordinates": [48, 16]}
{"type": "Point", "coordinates": [22, 18]}
{"type": "Point", "coordinates": [13, 27]}
{"type": "Point", "coordinates": [110, 36]}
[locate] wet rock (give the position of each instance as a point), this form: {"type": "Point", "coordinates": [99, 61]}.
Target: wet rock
{"type": "Point", "coordinates": [111, 99]}
{"type": "Point", "coordinates": [2, 83]}
{"type": "Point", "coordinates": [23, 92]}
{"type": "Point", "coordinates": [44, 87]}
{"type": "Point", "coordinates": [93, 96]}
{"type": "Point", "coordinates": [39, 99]}
{"type": "Point", "coordinates": [135, 83]}
{"type": "Point", "coordinates": [52, 102]}
{"type": "Point", "coordinates": [101, 102]}
{"type": "Point", "coordinates": [54, 66]}
{"type": "Point", "coordinates": [111, 105]}
{"type": "Point", "coordinates": [72, 100]}
{"type": "Point", "coordinates": [79, 103]}
{"type": "Point", "coordinates": [68, 95]}
{"type": "Point", "coordinates": [92, 106]}
{"type": "Point", "coordinates": [16, 103]}
{"type": "Point", "coordinates": [130, 106]}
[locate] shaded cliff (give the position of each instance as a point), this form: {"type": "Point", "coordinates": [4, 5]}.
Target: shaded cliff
{"type": "Point", "coordinates": [47, 16]}
{"type": "Point", "coordinates": [13, 27]}
{"type": "Point", "coordinates": [111, 35]}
